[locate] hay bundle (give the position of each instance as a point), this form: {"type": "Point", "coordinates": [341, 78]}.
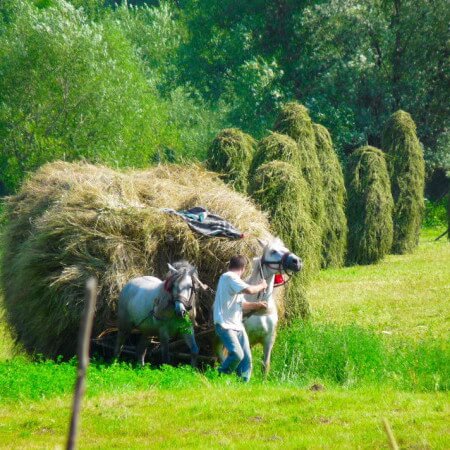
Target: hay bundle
{"type": "Point", "coordinates": [407, 172]}
{"type": "Point", "coordinates": [276, 147]}
{"type": "Point", "coordinates": [369, 206]}
{"type": "Point", "coordinates": [334, 238]}
{"type": "Point", "coordinates": [295, 122]}
{"type": "Point", "coordinates": [230, 155]}
{"type": "Point", "coordinates": [70, 221]}
{"type": "Point", "coordinates": [281, 191]}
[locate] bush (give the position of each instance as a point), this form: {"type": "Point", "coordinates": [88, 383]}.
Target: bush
{"type": "Point", "coordinates": [73, 89]}
{"type": "Point", "coordinates": [369, 207]}
{"type": "Point", "coordinates": [230, 155]}
{"type": "Point", "coordinates": [334, 238]}
{"type": "Point", "coordinates": [281, 191]}
{"type": "Point", "coordinates": [407, 172]}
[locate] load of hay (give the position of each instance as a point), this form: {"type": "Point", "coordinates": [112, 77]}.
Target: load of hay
{"type": "Point", "coordinates": [334, 225]}
{"type": "Point", "coordinates": [369, 206]}
{"type": "Point", "coordinates": [282, 192]}
{"type": "Point", "coordinates": [71, 221]}
{"type": "Point", "coordinates": [276, 147]}
{"type": "Point", "coordinates": [294, 121]}
{"type": "Point", "coordinates": [230, 154]}
{"type": "Point", "coordinates": [407, 172]}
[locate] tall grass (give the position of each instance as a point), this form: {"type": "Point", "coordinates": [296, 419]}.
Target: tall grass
{"type": "Point", "coordinates": [352, 356]}
{"type": "Point", "coordinates": [346, 356]}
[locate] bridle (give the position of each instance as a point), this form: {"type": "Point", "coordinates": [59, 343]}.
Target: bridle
{"type": "Point", "coordinates": [168, 287]}
{"type": "Point", "coordinates": [279, 266]}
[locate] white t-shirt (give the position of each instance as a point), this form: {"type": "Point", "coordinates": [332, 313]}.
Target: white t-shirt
{"type": "Point", "coordinates": [227, 310]}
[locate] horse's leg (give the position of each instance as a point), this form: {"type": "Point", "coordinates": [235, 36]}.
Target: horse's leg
{"type": "Point", "coordinates": [120, 341]}
{"type": "Point", "coordinates": [269, 340]}
{"type": "Point", "coordinates": [164, 342]}
{"type": "Point", "coordinates": [193, 347]}
{"type": "Point", "coordinates": [141, 349]}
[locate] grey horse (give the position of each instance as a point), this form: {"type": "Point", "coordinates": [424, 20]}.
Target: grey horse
{"type": "Point", "coordinates": [159, 308]}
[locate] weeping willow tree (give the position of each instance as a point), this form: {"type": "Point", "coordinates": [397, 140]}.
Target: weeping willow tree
{"type": "Point", "coordinates": [276, 147]}
{"type": "Point", "coordinates": [407, 173]}
{"type": "Point", "coordinates": [280, 190]}
{"type": "Point", "coordinates": [369, 207]}
{"type": "Point", "coordinates": [294, 121]}
{"type": "Point", "coordinates": [334, 237]}
{"type": "Point", "coordinates": [230, 154]}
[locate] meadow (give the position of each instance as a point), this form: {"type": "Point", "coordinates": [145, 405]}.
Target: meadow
{"type": "Point", "coordinates": [376, 346]}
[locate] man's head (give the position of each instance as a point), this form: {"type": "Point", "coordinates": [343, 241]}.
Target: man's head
{"type": "Point", "coordinates": [237, 264]}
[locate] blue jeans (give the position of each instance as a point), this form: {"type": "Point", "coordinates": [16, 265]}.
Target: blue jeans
{"type": "Point", "coordinates": [239, 357]}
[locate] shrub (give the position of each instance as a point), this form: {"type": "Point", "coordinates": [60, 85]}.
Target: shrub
{"type": "Point", "coordinates": [369, 206]}
{"type": "Point", "coordinates": [282, 192]}
{"type": "Point", "coordinates": [73, 89]}
{"type": "Point", "coordinates": [407, 172]}
{"type": "Point", "coordinates": [230, 155]}
{"type": "Point", "coordinates": [334, 238]}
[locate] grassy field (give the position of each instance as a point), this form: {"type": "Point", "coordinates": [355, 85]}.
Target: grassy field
{"type": "Point", "coordinates": [377, 346]}
{"type": "Point", "coordinates": [403, 295]}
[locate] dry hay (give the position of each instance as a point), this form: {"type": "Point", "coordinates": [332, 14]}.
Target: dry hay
{"type": "Point", "coordinates": [282, 192]}
{"type": "Point", "coordinates": [407, 172]}
{"type": "Point", "coordinates": [294, 121]}
{"type": "Point", "coordinates": [230, 155]}
{"type": "Point", "coordinates": [334, 238]}
{"type": "Point", "coordinates": [71, 221]}
{"type": "Point", "coordinates": [369, 206]}
{"type": "Point", "coordinates": [276, 147]}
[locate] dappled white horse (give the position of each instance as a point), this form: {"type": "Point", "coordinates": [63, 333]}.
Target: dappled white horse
{"type": "Point", "coordinates": [158, 308]}
{"type": "Point", "coordinates": [261, 326]}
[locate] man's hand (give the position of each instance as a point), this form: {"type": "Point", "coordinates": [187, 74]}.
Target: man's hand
{"type": "Point", "coordinates": [254, 306]}
{"type": "Point", "coordinates": [262, 305]}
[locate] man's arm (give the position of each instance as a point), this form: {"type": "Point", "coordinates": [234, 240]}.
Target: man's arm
{"type": "Point", "coordinates": [255, 288]}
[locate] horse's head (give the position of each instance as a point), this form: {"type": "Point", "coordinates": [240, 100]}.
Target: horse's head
{"type": "Point", "coordinates": [277, 258]}
{"type": "Point", "coordinates": [181, 282]}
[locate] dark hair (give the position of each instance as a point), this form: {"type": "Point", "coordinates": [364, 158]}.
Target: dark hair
{"type": "Point", "coordinates": [237, 262]}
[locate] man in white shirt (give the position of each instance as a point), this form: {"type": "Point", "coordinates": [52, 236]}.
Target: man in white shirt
{"type": "Point", "coordinates": [228, 306]}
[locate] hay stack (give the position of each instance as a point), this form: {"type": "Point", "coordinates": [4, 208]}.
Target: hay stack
{"type": "Point", "coordinates": [295, 122]}
{"type": "Point", "coordinates": [281, 191]}
{"type": "Point", "coordinates": [276, 147]}
{"type": "Point", "coordinates": [369, 207]}
{"type": "Point", "coordinates": [334, 238]}
{"type": "Point", "coordinates": [230, 155]}
{"type": "Point", "coordinates": [71, 221]}
{"type": "Point", "coordinates": [407, 172]}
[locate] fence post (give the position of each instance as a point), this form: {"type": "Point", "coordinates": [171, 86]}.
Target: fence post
{"type": "Point", "coordinates": [392, 442]}
{"type": "Point", "coordinates": [84, 336]}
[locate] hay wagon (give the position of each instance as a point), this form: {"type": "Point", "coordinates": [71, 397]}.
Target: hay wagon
{"type": "Point", "coordinates": [103, 345]}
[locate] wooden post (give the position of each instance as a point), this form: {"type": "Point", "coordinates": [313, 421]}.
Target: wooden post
{"type": "Point", "coordinates": [84, 336]}
{"type": "Point", "coordinates": [392, 442]}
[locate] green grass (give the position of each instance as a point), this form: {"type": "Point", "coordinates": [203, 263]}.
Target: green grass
{"type": "Point", "coordinates": [402, 296]}
{"type": "Point", "coordinates": [234, 417]}
{"type": "Point", "coordinates": [377, 344]}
